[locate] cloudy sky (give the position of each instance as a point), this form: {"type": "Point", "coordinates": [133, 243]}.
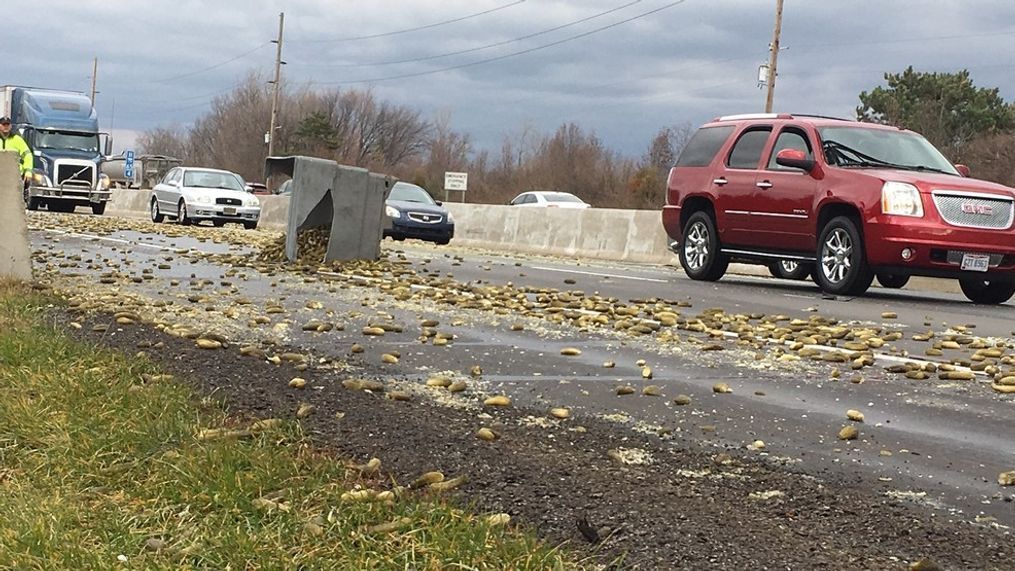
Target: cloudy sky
{"type": "Point", "coordinates": [620, 68]}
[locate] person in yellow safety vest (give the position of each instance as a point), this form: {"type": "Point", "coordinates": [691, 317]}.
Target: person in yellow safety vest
{"type": "Point", "coordinates": [10, 141]}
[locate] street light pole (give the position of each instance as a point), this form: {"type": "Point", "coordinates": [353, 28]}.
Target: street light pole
{"type": "Point", "coordinates": [773, 57]}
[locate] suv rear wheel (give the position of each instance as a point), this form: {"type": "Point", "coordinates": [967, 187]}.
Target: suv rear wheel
{"type": "Point", "coordinates": [842, 266]}
{"type": "Point", "coordinates": [987, 292]}
{"type": "Point", "coordinates": [789, 270]}
{"type": "Point", "coordinates": [699, 253]}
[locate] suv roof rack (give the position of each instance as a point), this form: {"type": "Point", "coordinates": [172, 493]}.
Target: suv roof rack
{"type": "Point", "coordinates": [754, 116]}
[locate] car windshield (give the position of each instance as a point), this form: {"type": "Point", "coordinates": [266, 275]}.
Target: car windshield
{"type": "Point", "coordinates": [67, 140]}
{"type": "Point", "coordinates": [405, 192]}
{"type": "Point", "coordinates": [860, 147]}
{"type": "Point", "coordinates": [561, 197]}
{"type": "Point", "coordinates": [212, 179]}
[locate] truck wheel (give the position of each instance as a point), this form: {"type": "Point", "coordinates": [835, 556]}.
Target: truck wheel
{"type": "Point", "coordinates": [157, 216]}
{"type": "Point", "coordinates": [699, 253]}
{"type": "Point", "coordinates": [892, 281]}
{"type": "Point", "coordinates": [789, 270]}
{"type": "Point", "coordinates": [987, 292]}
{"type": "Point", "coordinates": [99, 208]}
{"type": "Point", "coordinates": [842, 266]}
{"type": "Point", "coordinates": [181, 215]}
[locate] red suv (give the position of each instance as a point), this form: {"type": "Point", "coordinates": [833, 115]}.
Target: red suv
{"type": "Point", "coordinates": [840, 200]}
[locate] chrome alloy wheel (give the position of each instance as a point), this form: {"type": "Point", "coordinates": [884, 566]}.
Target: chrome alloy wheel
{"type": "Point", "coordinates": [696, 246]}
{"type": "Point", "coordinates": [836, 254]}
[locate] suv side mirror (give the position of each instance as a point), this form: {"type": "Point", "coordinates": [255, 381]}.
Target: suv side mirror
{"type": "Point", "coordinates": [794, 158]}
{"type": "Point", "coordinates": [963, 170]}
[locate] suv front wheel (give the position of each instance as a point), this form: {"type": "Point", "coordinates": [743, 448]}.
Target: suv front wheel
{"type": "Point", "coordinates": [987, 292]}
{"type": "Point", "coordinates": [842, 266]}
{"type": "Point", "coordinates": [699, 253]}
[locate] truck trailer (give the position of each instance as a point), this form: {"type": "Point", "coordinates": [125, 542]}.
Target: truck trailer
{"type": "Point", "coordinates": [62, 129]}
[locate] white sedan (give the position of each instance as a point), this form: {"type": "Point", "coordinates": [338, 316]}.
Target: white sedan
{"type": "Point", "coordinates": [190, 195]}
{"type": "Point", "coordinates": [542, 199]}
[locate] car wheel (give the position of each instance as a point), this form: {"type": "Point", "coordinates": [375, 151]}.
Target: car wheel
{"type": "Point", "coordinates": [699, 253]}
{"type": "Point", "coordinates": [218, 223]}
{"type": "Point", "coordinates": [181, 215]}
{"type": "Point", "coordinates": [987, 292]}
{"type": "Point", "coordinates": [157, 216]}
{"type": "Point", "coordinates": [250, 225]}
{"type": "Point", "coordinates": [842, 266]}
{"type": "Point", "coordinates": [790, 270]}
{"type": "Point", "coordinates": [892, 281]}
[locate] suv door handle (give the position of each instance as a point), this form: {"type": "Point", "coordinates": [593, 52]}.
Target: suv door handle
{"type": "Point", "coordinates": [719, 181]}
{"type": "Point", "coordinates": [763, 184]}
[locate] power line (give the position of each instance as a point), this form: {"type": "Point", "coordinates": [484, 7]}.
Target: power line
{"type": "Point", "coordinates": [510, 55]}
{"type": "Point", "coordinates": [408, 30]}
{"type": "Point", "coordinates": [209, 68]}
{"type": "Point", "coordinates": [480, 48]}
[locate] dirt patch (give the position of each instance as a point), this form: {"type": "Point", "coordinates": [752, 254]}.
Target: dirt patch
{"type": "Point", "coordinates": [684, 509]}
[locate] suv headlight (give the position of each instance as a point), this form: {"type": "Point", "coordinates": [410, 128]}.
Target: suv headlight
{"type": "Point", "coordinates": [392, 212]}
{"type": "Point", "coordinates": [901, 199]}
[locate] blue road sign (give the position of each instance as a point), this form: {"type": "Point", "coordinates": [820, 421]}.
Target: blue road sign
{"type": "Point", "coordinates": [128, 167]}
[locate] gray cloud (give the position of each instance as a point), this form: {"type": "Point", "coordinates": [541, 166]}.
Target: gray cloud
{"type": "Point", "coordinates": [687, 63]}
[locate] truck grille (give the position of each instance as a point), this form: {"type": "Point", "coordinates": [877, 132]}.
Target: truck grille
{"type": "Point", "coordinates": [425, 218]}
{"type": "Point", "coordinates": [971, 210]}
{"type": "Point", "coordinates": [75, 175]}
{"type": "Point", "coordinates": [229, 201]}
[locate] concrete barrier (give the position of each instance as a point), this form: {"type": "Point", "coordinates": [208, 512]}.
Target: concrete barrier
{"type": "Point", "coordinates": [15, 256]}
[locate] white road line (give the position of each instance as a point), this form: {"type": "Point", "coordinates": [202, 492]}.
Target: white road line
{"type": "Point", "coordinates": [545, 269]}
{"type": "Point", "coordinates": [114, 240]}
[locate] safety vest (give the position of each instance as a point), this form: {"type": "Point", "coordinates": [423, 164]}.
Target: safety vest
{"type": "Point", "coordinates": [16, 144]}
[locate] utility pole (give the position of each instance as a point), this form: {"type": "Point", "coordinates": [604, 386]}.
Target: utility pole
{"type": "Point", "coordinates": [773, 57]}
{"type": "Point", "coordinates": [278, 84]}
{"type": "Point", "coordinates": [95, 73]}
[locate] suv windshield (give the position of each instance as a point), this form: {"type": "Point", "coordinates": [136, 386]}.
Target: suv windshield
{"type": "Point", "coordinates": [405, 192]}
{"type": "Point", "coordinates": [67, 140]}
{"type": "Point", "coordinates": [212, 179]}
{"type": "Point", "coordinates": [881, 148]}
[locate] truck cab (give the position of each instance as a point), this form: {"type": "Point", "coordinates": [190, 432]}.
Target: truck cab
{"type": "Point", "coordinates": [62, 129]}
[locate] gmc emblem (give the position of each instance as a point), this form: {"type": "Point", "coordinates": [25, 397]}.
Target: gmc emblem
{"type": "Point", "coordinates": [978, 209]}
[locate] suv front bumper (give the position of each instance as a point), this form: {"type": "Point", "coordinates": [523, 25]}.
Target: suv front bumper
{"type": "Point", "coordinates": [936, 248]}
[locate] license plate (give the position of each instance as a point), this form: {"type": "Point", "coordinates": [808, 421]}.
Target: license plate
{"type": "Point", "coordinates": [975, 262]}
{"type": "Point", "coordinates": [229, 210]}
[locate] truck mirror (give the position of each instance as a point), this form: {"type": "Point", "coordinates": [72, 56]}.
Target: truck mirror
{"type": "Point", "coordinates": [37, 153]}
{"type": "Point", "coordinates": [108, 150]}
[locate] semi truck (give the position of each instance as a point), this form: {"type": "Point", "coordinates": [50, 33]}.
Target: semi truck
{"type": "Point", "coordinates": [62, 129]}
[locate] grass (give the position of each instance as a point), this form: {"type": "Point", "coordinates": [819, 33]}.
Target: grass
{"type": "Point", "coordinates": [100, 467]}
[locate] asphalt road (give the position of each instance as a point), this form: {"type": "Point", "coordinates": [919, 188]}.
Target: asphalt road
{"type": "Point", "coordinates": [940, 444]}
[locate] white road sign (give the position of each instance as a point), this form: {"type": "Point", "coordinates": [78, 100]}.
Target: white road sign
{"type": "Point", "coordinates": [456, 181]}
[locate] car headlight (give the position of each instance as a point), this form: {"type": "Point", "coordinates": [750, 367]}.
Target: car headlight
{"type": "Point", "coordinates": [251, 201]}
{"type": "Point", "coordinates": [103, 181]}
{"type": "Point", "coordinates": [203, 199]}
{"type": "Point", "coordinates": [901, 199]}
{"type": "Point", "coordinates": [392, 212]}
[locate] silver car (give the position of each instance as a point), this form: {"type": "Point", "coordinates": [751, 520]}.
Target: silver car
{"type": "Point", "coordinates": [190, 195]}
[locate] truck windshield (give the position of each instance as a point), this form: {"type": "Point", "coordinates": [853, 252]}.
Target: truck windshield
{"type": "Point", "coordinates": [67, 140]}
{"type": "Point", "coordinates": [881, 148]}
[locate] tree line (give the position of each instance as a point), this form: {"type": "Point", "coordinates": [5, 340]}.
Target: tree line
{"type": "Point", "coordinates": [971, 125]}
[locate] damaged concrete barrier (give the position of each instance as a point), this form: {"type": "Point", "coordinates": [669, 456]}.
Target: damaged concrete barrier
{"type": "Point", "coordinates": [349, 200]}
{"type": "Point", "coordinates": [15, 256]}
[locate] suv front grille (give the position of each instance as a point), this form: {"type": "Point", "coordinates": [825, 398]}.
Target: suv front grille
{"type": "Point", "coordinates": [971, 210]}
{"type": "Point", "coordinates": [74, 175]}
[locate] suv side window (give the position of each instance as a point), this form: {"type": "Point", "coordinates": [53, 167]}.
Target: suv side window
{"type": "Point", "coordinates": [746, 153]}
{"type": "Point", "coordinates": [789, 138]}
{"type": "Point", "coordinates": [701, 149]}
